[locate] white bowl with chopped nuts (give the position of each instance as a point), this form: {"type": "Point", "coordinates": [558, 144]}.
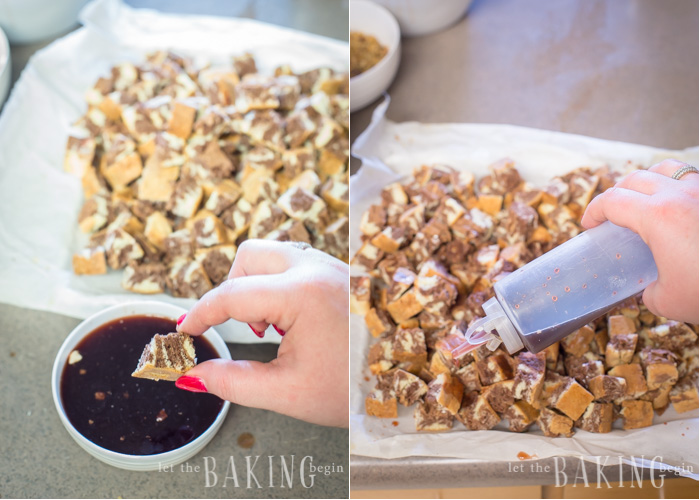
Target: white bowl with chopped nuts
{"type": "Point", "coordinates": [69, 355]}
{"type": "Point", "coordinates": [372, 20]}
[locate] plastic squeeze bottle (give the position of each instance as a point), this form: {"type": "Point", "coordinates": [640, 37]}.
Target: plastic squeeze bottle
{"type": "Point", "coordinates": [563, 290]}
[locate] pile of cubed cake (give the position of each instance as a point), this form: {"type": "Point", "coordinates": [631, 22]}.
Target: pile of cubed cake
{"type": "Point", "coordinates": [181, 162]}
{"type": "Point", "coordinates": [432, 250]}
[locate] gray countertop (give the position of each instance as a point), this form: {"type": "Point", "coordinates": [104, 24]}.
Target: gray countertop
{"type": "Point", "coordinates": [40, 459]}
{"type": "Point", "coordinates": [438, 473]}
{"type": "Point", "coordinates": [37, 456]}
{"type": "Point", "coordinates": [625, 70]}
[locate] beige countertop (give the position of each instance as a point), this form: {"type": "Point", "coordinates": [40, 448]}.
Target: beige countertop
{"type": "Point", "coordinates": [623, 70]}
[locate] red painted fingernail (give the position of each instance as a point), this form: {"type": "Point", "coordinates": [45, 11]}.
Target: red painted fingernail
{"type": "Point", "coordinates": [181, 319]}
{"type": "Point", "coordinates": [192, 384]}
{"type": "Point", "coordinates": [259, 334]}
{"type": "Point", "coordinates": [279, 330]}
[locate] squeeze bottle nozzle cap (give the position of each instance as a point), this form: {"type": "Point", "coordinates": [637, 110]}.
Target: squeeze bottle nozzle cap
{"type": "Point", "coordinates": [498, 320]}
{"type": "Point", "coordinates": [480, 332]}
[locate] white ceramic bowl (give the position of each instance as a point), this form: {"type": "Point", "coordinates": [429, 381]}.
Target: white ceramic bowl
{"type": "Point", "coordinates": [421, 17]}
{"type": "Point", "coordinates": [372, 19]}
{"type": "Point", "coordinates": [29, 21]}
{"type": "Point", "coordinates": [123, 461]}
{"type": "Point", "coordinates": [5, 67]}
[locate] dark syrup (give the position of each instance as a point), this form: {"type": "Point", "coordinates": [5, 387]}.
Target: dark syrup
{"type": "Point", "coordinates": [125, 414]}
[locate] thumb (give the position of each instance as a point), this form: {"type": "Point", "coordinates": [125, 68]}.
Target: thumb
{"type": "Point", "coordinates": [247, 383]}
{"type": "Point", "coordinates": [651, 298]}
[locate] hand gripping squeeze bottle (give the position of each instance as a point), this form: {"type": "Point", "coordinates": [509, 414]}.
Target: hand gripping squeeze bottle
{"type": "Point", "coordinates": [563, 290]}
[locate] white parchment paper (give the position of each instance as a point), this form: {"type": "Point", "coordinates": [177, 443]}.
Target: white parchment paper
{"type": "Point", "coordinates": [389, 151]}
{"type": "Point", "coordinates": [39, 202]}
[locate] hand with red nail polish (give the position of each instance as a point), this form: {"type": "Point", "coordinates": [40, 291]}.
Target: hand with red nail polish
{"type": "Point", "coordinates": [304, 295]}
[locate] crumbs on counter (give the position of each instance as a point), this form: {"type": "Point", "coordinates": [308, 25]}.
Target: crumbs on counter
{"type": "Point", "coordinates": [246, 440]}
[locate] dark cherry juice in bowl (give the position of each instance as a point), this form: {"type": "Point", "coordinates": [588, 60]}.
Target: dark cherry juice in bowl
{"type": "Point", "coordinates": [128, 415]}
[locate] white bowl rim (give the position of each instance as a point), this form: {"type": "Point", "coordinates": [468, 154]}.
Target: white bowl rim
{"type": "Point", "coordinates": [97, 451]}
{"type": "Point", "coordinates": [4, 51]}
{"type": "Point", "coordinates": [391, 49]}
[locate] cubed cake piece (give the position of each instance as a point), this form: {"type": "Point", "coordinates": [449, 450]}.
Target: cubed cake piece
{"type": "Point", "coordinates": [166, 357]}
{"type": "Point", "coordinates": [367, 257]}
{"type": "Point", "coordinates": [554, 424]}
{"type": "Point", "coordinates": [373, 220]}
{"type": "Point", "coordinates": [389, 239]}
{"type": "Point", "coordinates": [157, 228]}
{"type": "Point", "coordinates": [182, 119]}
{"type": "Point", "coordinates": [438, 364]}
{"type": "Point", "coordinates": [577, 342]}
{"type": "Point", "coordinates": [187, 278]}
{"type": "Point", "coordinates": [208, 230]}
{"type": "Point", "coordinates": [620, 349]}
{"type": "Point", "coordinates": [378, 322]}
{"type": "Point", "coordinates": [476, 413]}
{"type": "Point", "coordinates": [469, 376]}
{"type": "Point", "coordinates": [237, 218]}
{"type": "Point", "coordinates": [408, 387]}
{"type": "Point", "coordinates": [659, 398]}
{"type": "Point", "coordinates": [430, 416]}
{"type": "Point", "coordinates": [265, 218]}
{"type": "Point", "coordinates": [90, 260]}
{"type": "Point", "coordinates": [294, 230]}
{"type": "Point", "coordinates": [659, 367]}
{"type": "Point", "coordinates": [94, 213]}
{"type": "Point", "coordinates": [144, 278]}
{"type": "Point", "coordinates": [500, 395]}
{"type": "Point", "coordinates": [186, 197]}
{"type": "Point", "coordinates": [406, 306]}
{"type": "Point", "coordinates": [573, 400]}
{"type": "Point", "coordinates": [409, 346]}
{"type": "Point", "coordinates": [634, 378]}
{"type": "Point", "coordinates": [673, 336]}
{"type": "Point", "coordinates": [619, 324]}
{"type": "Point", "coordinates": [122, 249]}
{"type": "Point", "coordinates": [494, 369]}
{"type": "Point", "coordinates": [583, 368]}
{"type": "Point", "coordinates": [684, 395]}
{"type": "Point", "coordinates": [520, 416]}
{"type": "Point", "coordinates": [360, 291]}
{"type": "Point", "coordinates": [125, 169]}
{"type": "Point", "coordinates": [301, 204]}
{"type": "Point", "coordinates": [606, 388]}
{"type": "Point", "coordinates": [217, 261]}
{"type": "Point", "coordinates": [447, 391]}
{"type": "Point", "coordinates": [223, 195]}
{"type": "Point", "coordinates": [529, 376]}
{"type": "Point", "coordinates": [381, 356]}
{"type": "Point", "coordinates": [336, 195]}
{"type": "Point", "coordinates": [637, 414]}
{"type": "Point", "coordinates": [178, 245]}
{"type": "Point", "coordinates": [381, 402]}
{"type": "Point", "coordinates": [597, 418]}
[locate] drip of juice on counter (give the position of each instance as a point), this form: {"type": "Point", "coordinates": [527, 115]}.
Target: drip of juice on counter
{"type": "Point", "coordinates": [563, 290]}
